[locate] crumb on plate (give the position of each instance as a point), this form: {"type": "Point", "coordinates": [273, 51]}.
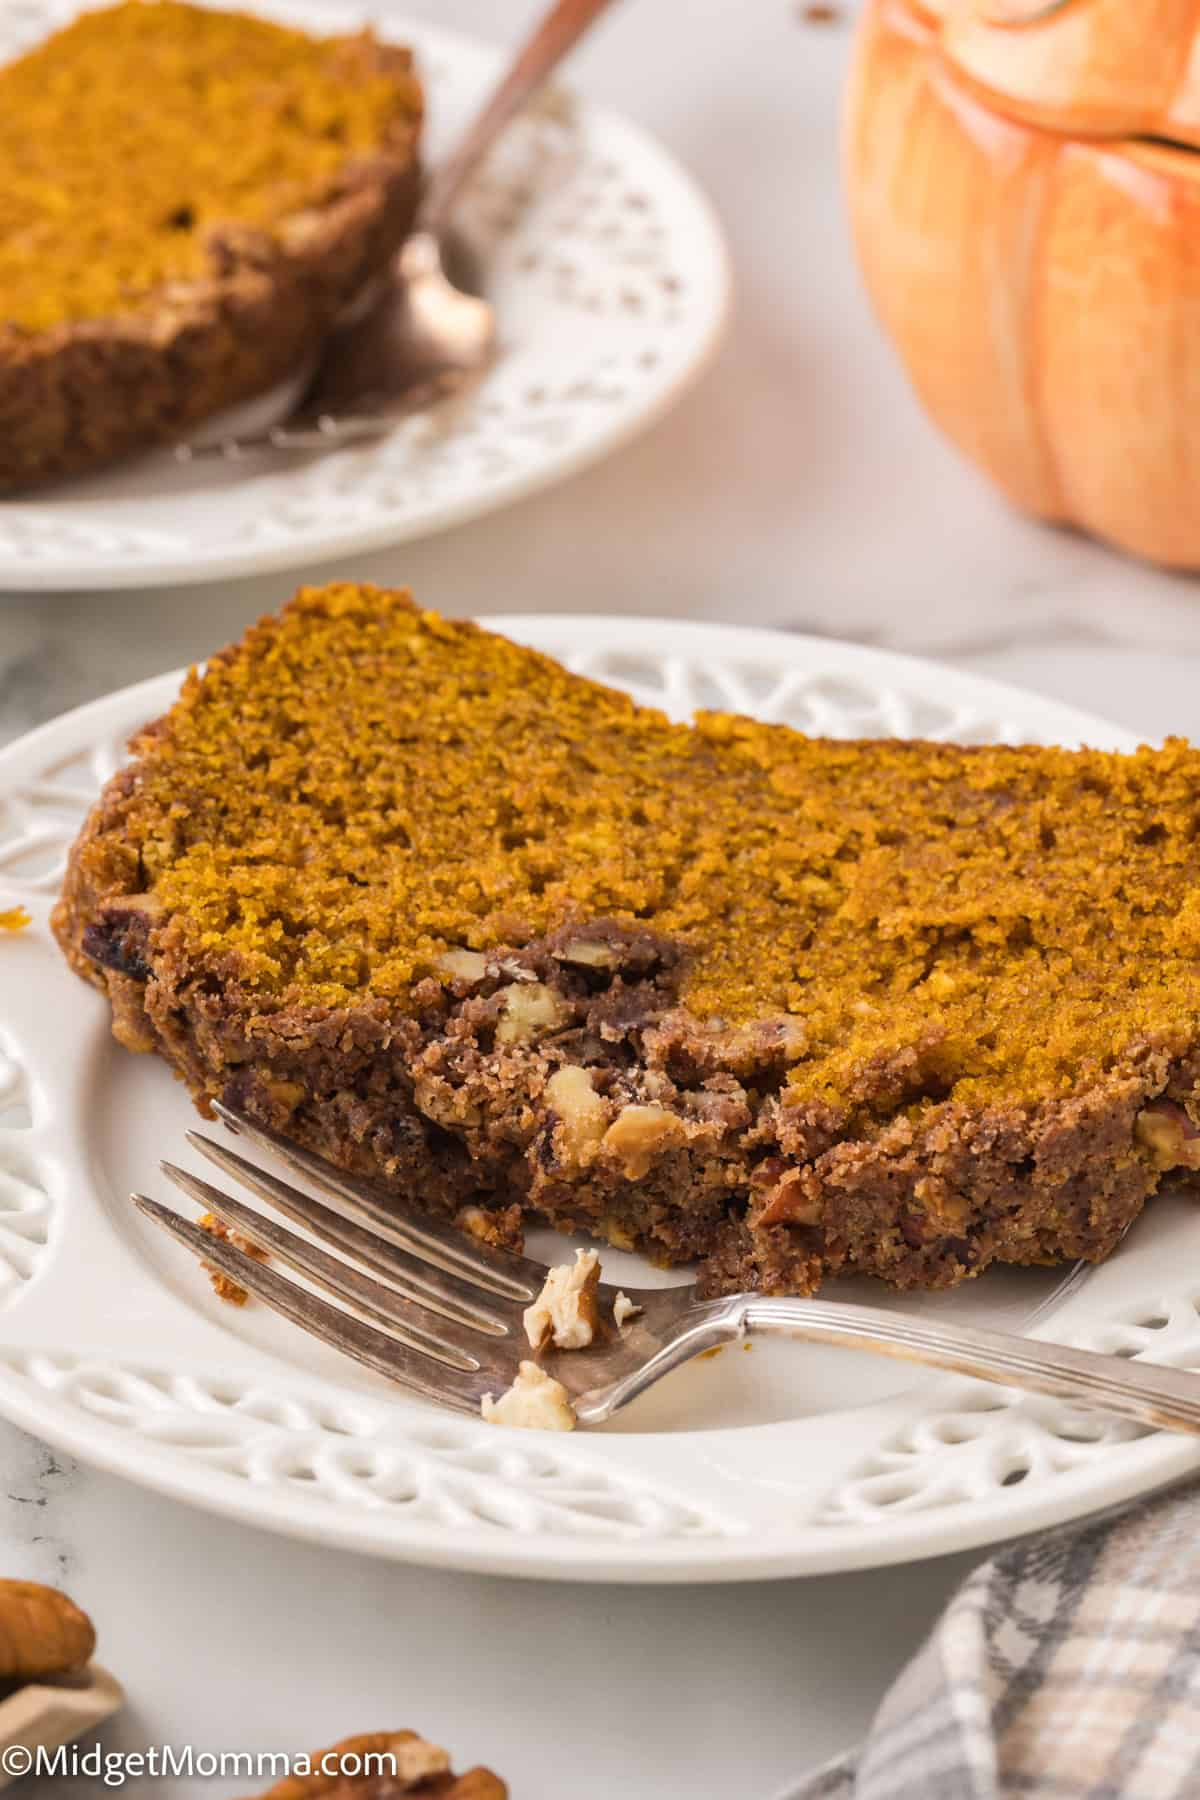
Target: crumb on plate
{"type": "Point", "coordinates": [224, 1287]}
{"type": "Point", "coordinates": [624, 1308]}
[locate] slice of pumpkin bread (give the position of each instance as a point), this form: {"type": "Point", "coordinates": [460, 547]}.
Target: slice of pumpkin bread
{"type": "Point", "coordinates": [491, 933]}
{"type": "Point", "coordinates": [188, 197]}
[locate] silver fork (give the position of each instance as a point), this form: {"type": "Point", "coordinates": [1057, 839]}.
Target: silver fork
{"type": "Point", "coordinates": [414, 339]}
{"type": "Point", "coordinates": [424, 1305]}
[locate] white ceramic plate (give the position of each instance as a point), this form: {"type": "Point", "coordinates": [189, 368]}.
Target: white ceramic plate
{"type": "Point", "coordinates": [777, 1461]}
{"type": "Point", "coordinates": [609, 278]}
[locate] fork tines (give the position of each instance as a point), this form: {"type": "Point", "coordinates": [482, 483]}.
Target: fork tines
{"type": "Point", "coordinates": [416, 1301]}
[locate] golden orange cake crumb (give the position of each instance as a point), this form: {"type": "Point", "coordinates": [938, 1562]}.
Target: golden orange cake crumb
{"type": "Point", "coordinates": [470, 923]}
{"type": "Point", "coordinates": [101, 201]}
{"type": "Point", "coordinates": [159, 263]}
{"type": "Point", "coordinates": [224, 1286]}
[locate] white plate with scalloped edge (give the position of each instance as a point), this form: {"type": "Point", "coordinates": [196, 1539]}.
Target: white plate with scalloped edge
{"type": "Point", "coordinates": [608, 273]}
{"type": "Point", "coordinates": [779, 1461]}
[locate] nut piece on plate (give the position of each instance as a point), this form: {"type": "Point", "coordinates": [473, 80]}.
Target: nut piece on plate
{"type": "Point", "coordinates": [624, 1308]}
{"type": "Point", "coordinates": [382, 1765]}
{"type": "Point", "coordinates": [42, 1633]}
{"type": "Point", "coordinates": [534, 1402]}
{"type": "Point", "coordinates": [566, 1313]}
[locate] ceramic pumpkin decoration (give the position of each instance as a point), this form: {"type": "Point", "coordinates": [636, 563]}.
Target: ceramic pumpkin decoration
{"type": "Point", "coordinates": [1024, 182]}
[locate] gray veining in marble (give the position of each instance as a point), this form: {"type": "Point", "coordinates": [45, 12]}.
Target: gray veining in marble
{"type": "Point", "coordinates": [36, 1480]}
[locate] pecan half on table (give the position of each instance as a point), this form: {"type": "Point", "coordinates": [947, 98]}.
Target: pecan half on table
{"type": "Point", "coordinates": [412, 1768]}
{"type": "Point", "coordinates": [42, 1633]}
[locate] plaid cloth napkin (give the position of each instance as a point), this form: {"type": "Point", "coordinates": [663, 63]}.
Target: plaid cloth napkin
{"type": "Point", "coordinates": [1067, 1668]}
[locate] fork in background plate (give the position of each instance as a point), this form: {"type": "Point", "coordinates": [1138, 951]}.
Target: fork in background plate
{"type": "Point", "coordinates": [414, 339]}
{"type": "Point", "coordinates": [440, 1314]}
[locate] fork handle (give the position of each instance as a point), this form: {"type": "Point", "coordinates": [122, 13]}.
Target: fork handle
{"type": "Point", "coordinates": [1165, 1398]}
{"type": "Point", "coordinates": [558, 33]}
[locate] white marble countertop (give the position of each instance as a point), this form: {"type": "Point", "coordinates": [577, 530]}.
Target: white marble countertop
{"type": "Point", "coordinates": [799, 486]}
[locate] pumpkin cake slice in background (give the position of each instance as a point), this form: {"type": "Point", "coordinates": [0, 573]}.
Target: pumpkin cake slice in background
{"type": "Point", "coordinates": [494, 935]}
{"type": "Point", "coordinates": [187, 200]}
